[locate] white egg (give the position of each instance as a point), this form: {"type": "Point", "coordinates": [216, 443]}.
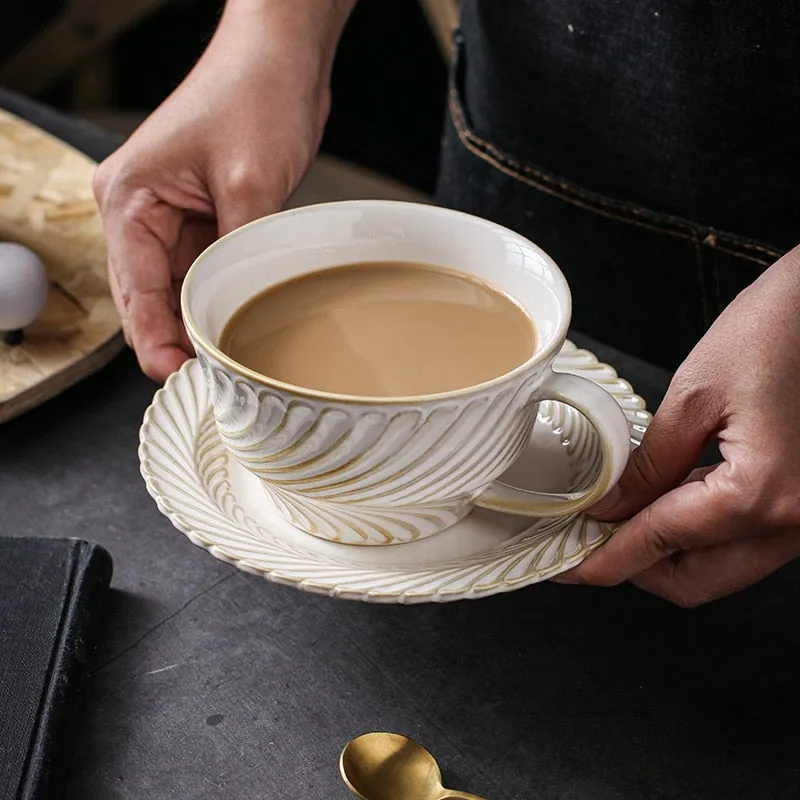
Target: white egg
{"type": "Point", "coordinates": [23, 286]}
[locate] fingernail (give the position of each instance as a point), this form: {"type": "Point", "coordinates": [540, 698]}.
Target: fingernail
{"type": "Point", "coordinates": [607, 503]}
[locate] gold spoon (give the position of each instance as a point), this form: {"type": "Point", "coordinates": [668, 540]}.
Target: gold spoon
{"type": "Point", "coordinates": [388, 766]}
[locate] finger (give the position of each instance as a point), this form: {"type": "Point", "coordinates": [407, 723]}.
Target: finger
{"type": "Point", "coordinates": [157, 334]}
{"type": "Point", "coordinates": [116, 296]}
{"type": "Point", "coordinates": [196, 234]}
{"type": "Point", "coordinates": [138, 243]}
{"type": "Point", "coordinates": [185, 343]}
{"type": "Point", "coordinates": [673, 444]}
{"type": "Point", "coordinates": [698, 576]}
{"type": "Point", "coordinates": [696, 514]}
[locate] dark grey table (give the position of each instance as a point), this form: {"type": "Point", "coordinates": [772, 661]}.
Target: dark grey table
{"type": "Point", "coordinates": [215, 684]}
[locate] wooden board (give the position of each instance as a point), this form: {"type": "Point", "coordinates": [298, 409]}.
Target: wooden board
{"type": "Point", "coordinates": [46, 203]}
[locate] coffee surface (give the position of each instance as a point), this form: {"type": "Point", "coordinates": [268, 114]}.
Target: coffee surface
{"type": "Point", "coordinates": [383, 329]}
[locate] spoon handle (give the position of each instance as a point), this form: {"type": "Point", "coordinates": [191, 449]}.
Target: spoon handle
{"type": "Point", "coordinates": [451, 795]}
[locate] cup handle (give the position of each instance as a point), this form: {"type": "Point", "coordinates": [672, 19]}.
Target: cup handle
{"type": "Point", "coordinates": [608, 419]}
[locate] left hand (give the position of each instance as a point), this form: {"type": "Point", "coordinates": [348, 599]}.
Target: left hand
{"type": "Point", "coordinates": [694, 536]}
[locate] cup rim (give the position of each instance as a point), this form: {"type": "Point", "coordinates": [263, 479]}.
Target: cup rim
{"type": "Point", "coordinates": [537, 358]}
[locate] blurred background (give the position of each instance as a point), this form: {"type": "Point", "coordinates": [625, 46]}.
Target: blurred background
{"type": "Point", "coordinates": [113, 61]}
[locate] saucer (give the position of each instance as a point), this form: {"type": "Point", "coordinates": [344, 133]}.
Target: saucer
{"type": "Point", "coordinates": [222, 508]}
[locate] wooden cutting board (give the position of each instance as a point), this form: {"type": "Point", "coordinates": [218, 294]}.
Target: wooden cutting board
{"type": "Point", "coordinates": [46, 203]}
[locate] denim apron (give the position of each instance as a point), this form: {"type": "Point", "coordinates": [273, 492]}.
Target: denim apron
{"type": "Point", "coordinates": [651, 148]}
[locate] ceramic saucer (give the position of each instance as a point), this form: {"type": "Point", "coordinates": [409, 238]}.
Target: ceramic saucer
{"type": "Point", "coordinates": [222, 508]}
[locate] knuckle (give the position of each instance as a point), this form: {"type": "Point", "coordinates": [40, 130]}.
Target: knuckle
{"type": "Point", "coordinates": [656, 542]}
{"type": "Point", "coordinates": [658, 545]}
{"type": "Point", "coordinates": [242, 182]}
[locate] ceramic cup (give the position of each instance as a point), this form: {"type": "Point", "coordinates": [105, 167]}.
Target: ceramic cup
{"type": "Point", "coordinates": [378, 471]}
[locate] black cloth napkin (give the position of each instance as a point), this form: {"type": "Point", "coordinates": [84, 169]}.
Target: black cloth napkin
{"type": "Point", "coordinates": [52, 593]}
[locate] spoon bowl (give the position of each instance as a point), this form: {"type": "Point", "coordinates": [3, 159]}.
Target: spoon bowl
{"type": "Point", "coordinates": [389, 766]}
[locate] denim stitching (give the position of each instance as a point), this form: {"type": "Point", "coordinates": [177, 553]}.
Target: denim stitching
{"type": "Point", "coordinates": [584, 199]}
{"type": "Point", "coordinates": [776, 254]}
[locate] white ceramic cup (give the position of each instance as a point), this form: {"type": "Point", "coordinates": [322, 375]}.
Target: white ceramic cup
{"type": "Point", "coordinates": [376, 471]}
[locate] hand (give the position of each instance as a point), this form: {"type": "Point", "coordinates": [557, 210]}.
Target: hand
{"type": "Point", "coordinates": [694, 536]}
{"type": "Point", "coordinates": [228, 146]}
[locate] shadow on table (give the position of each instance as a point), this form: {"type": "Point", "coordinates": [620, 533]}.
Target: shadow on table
{"type": "Point", "coordinates": [129, 619]}
{"type": "Point", "coordinates": [569, 689]}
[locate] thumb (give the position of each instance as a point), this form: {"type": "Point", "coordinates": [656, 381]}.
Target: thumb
{"type": "Point", "coordinates": [673, 444]}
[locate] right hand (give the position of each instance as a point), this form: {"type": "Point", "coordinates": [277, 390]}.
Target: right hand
{"type": "Point", "coordinates": [229, 145]}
